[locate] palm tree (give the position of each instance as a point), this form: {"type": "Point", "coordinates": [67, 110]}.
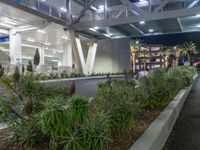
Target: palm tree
{"type": "Point", "coordinates": [134, 49]}
{"type": "Point", "coordinates": [165, 54]}
{"type": "Point", "coordinates": [143, 54]}
{"type": "Point", "coordinates": [187, 49]}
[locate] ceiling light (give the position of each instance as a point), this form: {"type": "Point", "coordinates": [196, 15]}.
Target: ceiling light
{"type": "Point", "coordinates": [64, 37]}
{"type": "Point", "coordinates": [43, 0]}
{"type": "Point", "coordinates": [137, 42]}
{"type": "Point", "coordinates": [106, 35]}
{"type": "Point", "coordinates": [94, 8]}
{"type": "Point", "coordinates": [101, 8]}
{"type": "Point", "coordinates": [63, 9]}
{"type": "Point", "coordinates": [6, 25]}
{"type": "Point", "coordinates": [151, 30]}
{"type": "Point", "coordinates": [41, 31]}
{"type": "Point", "coordinates": [96, 28]}
{"type": "Point", "coordinates": [92, 29]}
{"type": "Point", "coordinates": [47, 43]}
{"type": "Point", "coordinates": [198, 26]}
{"type": "Point", "coordinates": [142, 22]}
{"type": "Point", "coordinates": [27, 29]}
{"type": "Point", "coordinates": [30, 39]}
{"type": "Point", "coordinates": [198, 15]}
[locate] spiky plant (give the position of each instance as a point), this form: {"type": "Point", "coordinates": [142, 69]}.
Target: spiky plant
{"type": "Point", "coordinates": [29, 67]}
{"type": "Point", "coordinates": [1, 71]}
{"type": "Point", "coordinates": [36, 60]}
{"type": "Point", "coordinates": [186, 49]}
{"type": "Point", "coordinates": [16, 74]}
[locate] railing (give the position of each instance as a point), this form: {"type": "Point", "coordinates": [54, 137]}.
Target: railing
{"type": "Point", "coordinates": [116, 13]}
{"type": "Point", "coordinates": [44, 69]}
{"type": "Point", "coordinates": [45, 9]}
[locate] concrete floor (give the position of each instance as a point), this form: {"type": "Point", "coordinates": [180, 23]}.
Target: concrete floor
{"type": "Point", "coordinates": [186, 132]}
{"type": "Point", "coordinates": [87, 88]}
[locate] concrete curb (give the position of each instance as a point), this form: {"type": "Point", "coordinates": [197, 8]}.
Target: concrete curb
{"type": "Point", "coordinates": [157, 133]}
{"type": "Point", "coordinates": [81, 78]}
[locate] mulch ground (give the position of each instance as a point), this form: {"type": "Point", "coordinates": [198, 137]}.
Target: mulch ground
{"type": "Point", "coordinates": [123, 141]}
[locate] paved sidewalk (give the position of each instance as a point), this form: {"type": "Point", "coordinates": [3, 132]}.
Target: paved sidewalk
{"type": "Point", "coordinates": [186, 132]}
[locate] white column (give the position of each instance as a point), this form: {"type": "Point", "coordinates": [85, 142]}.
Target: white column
{"type": "Point", "coordinates": [91, 57]}
{"type": "Point", "coordinates": [15, 47]}
{"type": "Point", "coordinates": [41, 51]}
{"type": "Point", "coordinates": [41, 67]}
{"type": "Point", "coordinates": [67, 54]}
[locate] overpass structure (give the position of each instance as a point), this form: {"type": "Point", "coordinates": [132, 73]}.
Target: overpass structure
{"type": "Point", "coordinates": [100, 21]}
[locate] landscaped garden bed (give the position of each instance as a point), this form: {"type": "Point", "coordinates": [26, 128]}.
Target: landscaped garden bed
{"type": "Point", "coordinates": [54, 117]}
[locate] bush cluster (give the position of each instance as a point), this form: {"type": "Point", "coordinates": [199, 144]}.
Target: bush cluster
{"type": "Point", "coordinates": [77, 123]}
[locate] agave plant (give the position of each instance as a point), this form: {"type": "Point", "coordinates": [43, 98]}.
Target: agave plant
{"type": "Point", "coordinates": [187, 49]}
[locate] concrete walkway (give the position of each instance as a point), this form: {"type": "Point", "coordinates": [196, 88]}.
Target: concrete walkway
{"type": "Point", "coordinates": [186, 132]}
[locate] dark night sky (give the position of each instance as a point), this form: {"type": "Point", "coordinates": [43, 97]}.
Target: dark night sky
{"type": "Point", "coordinates": [172, 39]}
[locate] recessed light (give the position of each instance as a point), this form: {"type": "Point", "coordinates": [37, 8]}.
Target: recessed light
{"type": "Point", "coordinates": [142, 22]}
{"type": "Point", "coordinates": [151, 30]}
{"type": "Point", "coordinates": [63, 9]}
{"type": "Point", "coordinates": [47, 43]}
{"type": "Point", "coordinates": [198, 15]}
{"type": "Point", "coordinates": [64, 37]}
{"type": "Point", "coordinates": [30, 39]}
{"type": "Point", "coordinates": [198, 26]}
{"type": "Point", "coordinates": [96, 28]}
{"type": "Point", "coordinates": [41, 31]}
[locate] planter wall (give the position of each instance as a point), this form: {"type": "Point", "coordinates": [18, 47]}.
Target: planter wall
{"type": "Point", "coordinates": [157, 133]}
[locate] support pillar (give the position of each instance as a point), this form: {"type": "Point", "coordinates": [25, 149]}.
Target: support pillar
{"type": "Point", "coordinates": [91, 57]}
{"type": "Point", "coordinates": [15, 47]}
{"type": "Point", "coordinates": [67, 54]}
{"type": "Point", "coordinates": [41, 67]}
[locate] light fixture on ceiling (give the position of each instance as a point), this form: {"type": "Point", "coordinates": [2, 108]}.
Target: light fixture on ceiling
{"type": "Point", "coordinates": [96, 28]}
{"type": "Point", "coordinates": [107, 35]}
{"type": "Point", "coordinates": [43, 0]}
{"type": "Point", "coordinates": [30, 39]}
{"type": "Point", "coordinates": [101, 8]}
{"type": "Point", "coordinates": [27, 29]}
{"type": "Point", "coordinates": [142, 22]}
{"type": "Point", "coordinates": [63, 9]}
{"type": "Point", "coordinates": [47, 43]}
{"type": "Point", "coordinates": [9, 21]}
{"type": "Point", "coordinates": [137, 42]}
{"type": "Point", "coordinates": [6, 25]}
{"type": "Point", "coordinates": [198, 26]}
{"type": "Point", "coordinates": [64, 37]}
{"type": "Point", "coordinates": [151, 30]}
{"type": "Point", "coordinates": [198, 15]}
{"type": "Point", "coordinates": [41, 31]}
{"type": "Point", "coordinates": [92, 29]}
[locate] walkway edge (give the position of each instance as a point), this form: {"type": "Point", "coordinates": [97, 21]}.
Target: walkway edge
{"type": "Point", "coordinates": [157, 133]}
{"type": "Point", "coordinates": [81, 78]}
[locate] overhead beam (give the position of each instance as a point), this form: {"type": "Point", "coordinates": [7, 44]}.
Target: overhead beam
{"type": "Point", "coordinates": [133, 6]}
{"type": "Point", "coordinates": [163, 4]}
{"type": "Point", "coordinates": [193, 3]}
{"type": "Point", "coordinates": [87, 6]}
{"type": "Point", "coordinates": [134, 19]}
{"type": "Point", "coordinates": [83, 5]}
{"type": "Point", "coordinates": [68, 14]}
{"type": "Point", "coordinates": [137, 29]}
